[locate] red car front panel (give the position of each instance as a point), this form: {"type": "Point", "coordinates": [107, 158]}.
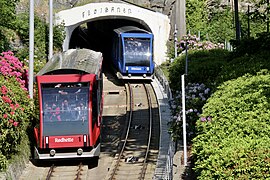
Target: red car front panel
{"type": "Point", "coordinates": [66, 141]}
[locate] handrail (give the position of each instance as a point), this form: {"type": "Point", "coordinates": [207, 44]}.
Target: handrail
{"type": "Point", "coordinates": [168, 174]}
{"type": "Point", "coordinates": [163, 81]}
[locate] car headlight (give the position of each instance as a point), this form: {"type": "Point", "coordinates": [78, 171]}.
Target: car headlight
{"type": "Point", "coordinates": [52, 152]}
{"type": "Point", "coordinates": [79, 151]}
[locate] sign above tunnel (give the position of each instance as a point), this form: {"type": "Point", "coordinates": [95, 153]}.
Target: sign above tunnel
{"type": "Point", "coordinates": [157, 23]}
{"type": "Point", "coordinates": [106, 10]}
{"type": "Point", "coordinates": [94, 10]}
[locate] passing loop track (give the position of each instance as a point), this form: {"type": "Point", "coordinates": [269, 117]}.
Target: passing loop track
{"type": "Point", "coordinates": [133, 158]}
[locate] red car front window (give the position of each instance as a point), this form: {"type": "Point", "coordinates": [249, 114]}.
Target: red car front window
{"type": "Point", "coordinates": [65, 108]}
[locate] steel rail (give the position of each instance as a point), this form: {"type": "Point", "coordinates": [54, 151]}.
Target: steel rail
{"type": "Point", "coordinates": [50, 172]}
{"type": "Point", "coordinates": [142, 172]}
{"type": "Point", "coordinates": [77, 174]}
{"type": "Point", "coordinates": [149, 134]}
{"type": "Point", "coordinates": [127, 132]}
{"type": "Point", "coordinates": [79, 171]}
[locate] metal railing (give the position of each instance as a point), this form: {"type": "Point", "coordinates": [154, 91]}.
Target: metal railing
{"type": "Point", "coordinates": [168, 174]}
{"type": "Point", "coordinates": [169, 163]}
{"type": "Point", "coordinates": [163, 81]}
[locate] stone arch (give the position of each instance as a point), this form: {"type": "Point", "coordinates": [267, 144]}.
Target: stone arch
{"type": "Point", "coordinates": [155, 22]}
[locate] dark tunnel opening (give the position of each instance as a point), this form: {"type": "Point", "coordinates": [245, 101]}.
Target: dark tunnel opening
{"type": "Point", "coordinates": [97, 35]}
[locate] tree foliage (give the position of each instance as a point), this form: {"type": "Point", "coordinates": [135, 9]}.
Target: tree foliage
{"type": "Point", "coordinates": [7, 17]}
{"type": "Point", "coordinates": [214, 19]}
{"type": "Point", "coordinates": [196, 16]}
{"type": "Point", "coordinates": [14, 34]}
{"type": "Point", "coordinates": [7, 12]}
{"type": "Point", "coordinates": [41, 38]}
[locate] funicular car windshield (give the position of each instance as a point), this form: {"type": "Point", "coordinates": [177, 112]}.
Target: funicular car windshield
{"type": "Point", "coordinates": [137, 51]}
{"type": "Point", "coordinates": [65, 108]}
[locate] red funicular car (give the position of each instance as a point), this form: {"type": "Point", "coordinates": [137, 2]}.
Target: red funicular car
{"type": "Point", "coordinates": [70, 103]}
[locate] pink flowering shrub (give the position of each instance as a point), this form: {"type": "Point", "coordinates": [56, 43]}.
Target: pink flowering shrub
{"type": "Point", "coordinates": [16, 108]}
{"type": "Point", "coordinates": [12, 66]}
{"type": "Point", "coordinates": [194, 43]}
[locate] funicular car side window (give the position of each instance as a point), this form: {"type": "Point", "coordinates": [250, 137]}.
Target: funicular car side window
{"type": "Point", "coordinates": [65, 107]}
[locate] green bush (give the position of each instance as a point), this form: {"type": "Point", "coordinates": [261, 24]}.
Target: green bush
{"type": "Point", "coordinates": [203, 67]}
{"type": "Point", "coordinates": [3, 162]}
{"type": "Point", "coordinates": [251, 46]}
{"type": "Point", "coordinates": [249, 56]}
{"type": "Point", "coordinates": [234, 142]}
{"type": "Point", "coordinates": [244, 64]}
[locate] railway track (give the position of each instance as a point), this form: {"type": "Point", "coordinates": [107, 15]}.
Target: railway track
{"type": "Point", "coordinates": [139, 148]}
{"type": "Point", "coordinates": [67, 172]}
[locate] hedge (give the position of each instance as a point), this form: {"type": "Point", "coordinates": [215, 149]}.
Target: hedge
{"type": "Point", "coordinates": [234, 142]}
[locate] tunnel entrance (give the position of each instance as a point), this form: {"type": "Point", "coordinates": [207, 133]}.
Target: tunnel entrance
{"type": "Point", "coordinates": [90, 26]}
{"type": "Point", "coordinates": [97, 35]}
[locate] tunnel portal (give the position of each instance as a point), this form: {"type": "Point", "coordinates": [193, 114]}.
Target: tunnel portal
{"type": "Point", "coordinates": [91, 26]}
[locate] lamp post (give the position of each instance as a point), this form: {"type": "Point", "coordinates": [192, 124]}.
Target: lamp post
{"type": "Point", "coordinates": [237, 24]}
{"type": "Point", "coordinates": [248, 22]}
{"type": "Point", "coordinates": [51, 30]}
{"type": "Point", "coordinates": [175, 41]}
{"type": "Point", "coordinates": [184, 119]}
{"type": "Point", "coordinates": [267, 20]}
{"type": "Point", "coordinates": [31, 49]}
